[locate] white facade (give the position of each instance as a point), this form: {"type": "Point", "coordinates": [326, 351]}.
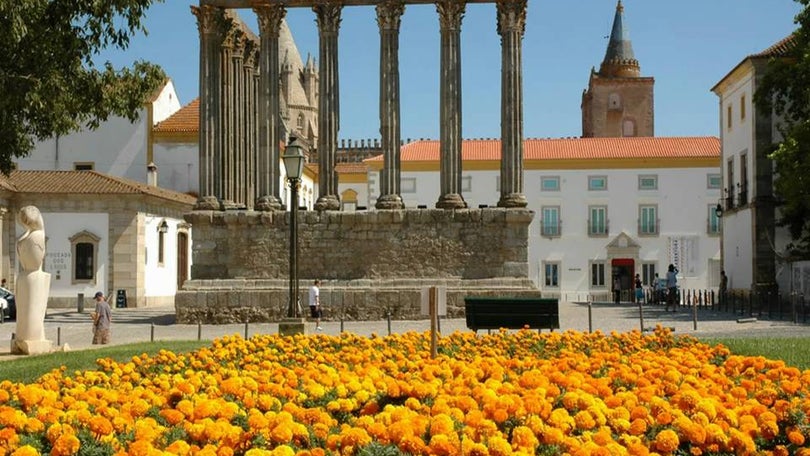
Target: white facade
{"type": "Point", "coordinates": [740, 145]}
{"type": "Point", "coordinates": [683, 198]}
{"type": "Point", "coordinates": [117, 147]}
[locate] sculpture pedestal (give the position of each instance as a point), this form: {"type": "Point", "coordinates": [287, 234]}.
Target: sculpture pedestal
{"type": "Point", "coordinates": [292, 326]}
{"type": "Point", "coordinates": [31, 347]}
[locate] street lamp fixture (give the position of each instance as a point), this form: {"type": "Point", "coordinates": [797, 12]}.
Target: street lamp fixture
{"type": "Point", "coordinates": [718, 210]}
{"type": "Point", "coordinates": [294, 165]}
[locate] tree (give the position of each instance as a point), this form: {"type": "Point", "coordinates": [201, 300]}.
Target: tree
{"type": "Point", "coordinates": [785, 89]}
{"type": "Point", "coordinates": [49, 82]}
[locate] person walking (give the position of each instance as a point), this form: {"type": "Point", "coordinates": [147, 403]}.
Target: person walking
{"type": "Point", "coordinates": [723, 288]}
{"type": "Point", "coordinates": [315, 303]}
{"type": "Point", "coordinates": [639, 289]}
{"type": "Point", "coordinates": [672, 288]}
{"type": "Point", "coordinates": [102, 318]}
{"type": "Point", "coordinates": [617, 289]}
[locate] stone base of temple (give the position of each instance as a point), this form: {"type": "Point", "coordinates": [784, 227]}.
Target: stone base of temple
{"type": "Point", "coordinates": [370, 262]}
{"type": "Point", "coordinates": [239, 301]}
{"type": "Point", "coordinates": [292, 326]}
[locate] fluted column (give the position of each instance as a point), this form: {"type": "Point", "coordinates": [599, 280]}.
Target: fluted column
{"type": "Point", "coordinates": [237, 154]}
{"type": "Point", "coordinates": [389, 15]}
{"type": "Point", "coordinates": [210, 25]}
{"type": "Point", "coordinates": [250, 125]}
{"type": "Point", "coordinates": [451, 12]}
{"type": "Point", "coordinates": [226, 119]}
{"type": "Point", "coordinates": [269, 151]}
{"type": "Point", "coordinates": [511, 27]}
{"type": "Point", "coordinates": [328, 18]}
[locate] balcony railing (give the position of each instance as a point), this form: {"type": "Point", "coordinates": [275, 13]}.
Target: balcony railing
{"type": "Point", "coordinates": [649, 229]}
{"type": "Point", "coordinates": [598, 229]}
{"type": "Point", "coordinates": [550, 229]}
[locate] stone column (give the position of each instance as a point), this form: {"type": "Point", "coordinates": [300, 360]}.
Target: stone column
{"type": "Point", "coordinates": [268, 151]}
{"type": "Point", "coordinates": [328, 19]}
{"type": "Point", "coordinates": [389, 15]}
{"type": "Point", "coordinates": [249, 130]}
{"type": "Point", "coordinates": [210, 25]}
{"type": "Point", "coordinates": [226, 120]}
{"type": "Point", "coordinates": [511, 27]}
{"type": "Point", "coordinates": [451, 12]}
{"type": "Point", "coordinates": [237, 152]}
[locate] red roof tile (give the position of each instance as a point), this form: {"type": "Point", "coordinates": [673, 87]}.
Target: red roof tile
{"type": "Point", "coordinates": [185, 120]}
{"type": "Point", "coordinates": [780, 48]}
{"type": "Point", "coordinates": [85, 183]}
{"type": "Point", "coordinates": [572, 149]}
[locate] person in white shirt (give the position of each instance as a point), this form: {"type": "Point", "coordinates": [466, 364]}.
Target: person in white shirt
{"type": "Point", "coordinates": [315, 303]}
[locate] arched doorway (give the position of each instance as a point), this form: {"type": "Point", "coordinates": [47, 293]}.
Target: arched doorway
{"type": "Point", "coordinates": [182, 258]}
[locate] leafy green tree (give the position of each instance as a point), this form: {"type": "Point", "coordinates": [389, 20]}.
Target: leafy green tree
{"type": "Point", "coordinates": [785, 89]}
{"type": "Point", "coordinates": [49, 82]}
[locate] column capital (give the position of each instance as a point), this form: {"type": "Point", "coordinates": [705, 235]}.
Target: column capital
{"type": "Point", "coordinates": [270, 17]}
{"type": "Point", "coordinates": [389, 14]}
{"type": "Point", "coordinates": [451, 12]}
{"type": "Point", "coordinates": [210, 19]}
{"type": "Point", "coordinates": [511, 16]}
{"type": "Point", "coordinates": [327, 16]}
{"type": "Point", "coordinates": [238, 42]}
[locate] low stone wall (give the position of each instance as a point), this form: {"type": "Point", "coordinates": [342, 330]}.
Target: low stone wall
{"type": "Point", "coordinates": [239, 301]}
{"type": "Point", "coordinates": [370, 262]}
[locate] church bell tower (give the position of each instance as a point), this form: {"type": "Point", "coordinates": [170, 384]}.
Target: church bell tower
{"type": "Point", "coordinates": [618, 101]}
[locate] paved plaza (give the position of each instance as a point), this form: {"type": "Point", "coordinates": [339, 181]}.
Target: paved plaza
{"type": "Point", "coordinates": [72, 328]}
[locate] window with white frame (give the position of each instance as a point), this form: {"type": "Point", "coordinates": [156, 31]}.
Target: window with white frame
{"type": "Point", "coordinates": [550, 183]}
{"type": "Point", "coordinates": [466, 184]}
{"type": "Point", "coordinates": [597, 274]}
{"type": "Point", "coordinates": [714, 220]}
{"type": "Point", "coordinates": [628, 128]}
{"type": "Point", "coordinates": [551, 274]}
{"type": "Point", "coordinates": [550, 221]}
{"type": "Point", "coordinates": [407, 185]}
{"type": "Point", "coordinates": [597, 183]}
{"type": "Point", "coordinates": [648, 182]}
{"type": "Point", "coordinates": [597, 221]}
{"type": "Point", "coordinates": [648, 219]}
{"type": "Point", "coordinates": [647, 273]}
{"type": "Point", "coordinates": [84, 247]}
{"type": "Point", "coordinates": [714, 181]}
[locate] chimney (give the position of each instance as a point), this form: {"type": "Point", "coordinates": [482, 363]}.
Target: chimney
{"type": "Point", "coordinates": [151, 174]}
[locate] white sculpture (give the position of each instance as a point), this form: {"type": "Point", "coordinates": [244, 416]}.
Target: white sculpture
{"type": "Point", "coordinates": [33, 285]}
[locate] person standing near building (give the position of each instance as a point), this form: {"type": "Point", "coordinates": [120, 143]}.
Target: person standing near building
{"type": "Point", "coordinates": [315, 303]}
{"type": "Point", "coordinates": [639, 289]}
{"type": "Point", "coordinates": [617, 289]}
{"type": "Point", "coordinates": [102, 318]}
{"type": "Point", "coordinates": [672, 288]}
{"type": "Point", "coordinates": [723, 287]}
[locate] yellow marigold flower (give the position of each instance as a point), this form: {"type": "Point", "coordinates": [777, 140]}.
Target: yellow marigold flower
{"type": "Point", "coordinates": [65, 445]}
{"type": "Point", "coordinates": [100, 426]}
{"type": "Point", "coordinates": [666, 441]}
{"type": "Point", "coordinates": [584, 421]}
{"type": "Point", "coordinates": [498, 446]}
{"type": "Point", "coordinates": [26, 450]}
{"type": "Point", "coordinates": [524, 439]}
{"type": "Point", "coordinates": [282, 450]}
{"type": "Point", "coordinates": [179, 447]}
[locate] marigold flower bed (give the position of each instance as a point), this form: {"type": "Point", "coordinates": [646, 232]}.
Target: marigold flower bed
{"type": "Point", "coordinates": [501, 394]}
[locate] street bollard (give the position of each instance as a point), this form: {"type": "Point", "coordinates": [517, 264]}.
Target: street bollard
{"type": "Point", "coordinates": [80, 303]}
{"type": "Point", "coordinates": [590, 316]}
{"type": "Point", "coordinates": [246, 330]}
{"type": "Point", "coordinates": [388, 315]}
{"type": "Point", "coordinates": [641, 317]}
{"type": "Point", "coordinates": [152, 333]}
{"type": "Point", "coordinates": [199, 330]}
{"type": "Point", "coordinates": [58, 336]}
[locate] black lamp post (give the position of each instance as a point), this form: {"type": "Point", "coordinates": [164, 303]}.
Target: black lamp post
{"type": "Point", "coordinates": [718, 210]}
{"type": "Point", "coordinates": [294, 165]}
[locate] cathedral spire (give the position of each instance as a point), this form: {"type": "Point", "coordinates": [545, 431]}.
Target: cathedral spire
{"type": "Point", "coordinates": [619, 59]}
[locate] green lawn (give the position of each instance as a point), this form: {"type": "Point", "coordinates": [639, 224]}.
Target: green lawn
{"type": "Point", "coordinates": [794, 351]}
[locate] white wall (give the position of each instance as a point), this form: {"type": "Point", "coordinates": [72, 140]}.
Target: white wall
{"type": "Point", "coordinates": [161, 278]}
{"type": "Point", "coordinates": [177, 166]}
{"type": "Point", "coordinates": [59, 228]}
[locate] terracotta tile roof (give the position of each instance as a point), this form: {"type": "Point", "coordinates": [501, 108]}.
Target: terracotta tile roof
{"type": "Point", "coordinates": [572, 148]}
{"type": "Point", "coordinates": [185, 120]}
{"type": "Point", "coordinates": [351, 168]}
{"type": "Point", "coordinates": [86, 183]}
{"type": "Point", "coordinates": [778, 49]}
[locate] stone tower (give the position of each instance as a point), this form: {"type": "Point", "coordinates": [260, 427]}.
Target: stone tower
{"type": "Point", "coordinates": [618, 101]}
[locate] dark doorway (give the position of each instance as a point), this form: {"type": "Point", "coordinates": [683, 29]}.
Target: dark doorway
{"type": "Point", "coordinates": [182, 259]}
{"type": "Point", "coordinates": [624, 270]}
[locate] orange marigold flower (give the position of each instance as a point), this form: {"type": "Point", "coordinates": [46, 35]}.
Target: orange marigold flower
{"type": "Point", "coordinates": [666, 441]}
{"type": "Point", "coordinates": [65, 445]}
{"type": "Point", "coordinates": [796, 437]}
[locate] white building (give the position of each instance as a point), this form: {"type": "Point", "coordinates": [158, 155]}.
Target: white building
{"type": "Point", "coordinates": [104, 233]}
{"type": "Point", "coordinates": [604, 206]}
{"type": "Point", "coordinates": [753, 246]}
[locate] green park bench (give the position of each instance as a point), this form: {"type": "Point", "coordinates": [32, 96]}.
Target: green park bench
{"type": "Point", "coordinates": [496, 312]}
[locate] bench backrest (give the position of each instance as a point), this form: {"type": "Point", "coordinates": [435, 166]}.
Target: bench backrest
{"type": "Point", "coordinates": [511, 313]}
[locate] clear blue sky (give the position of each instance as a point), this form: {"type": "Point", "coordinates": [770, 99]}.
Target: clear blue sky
{"type": "Point", "coordinates": [686, 45]}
